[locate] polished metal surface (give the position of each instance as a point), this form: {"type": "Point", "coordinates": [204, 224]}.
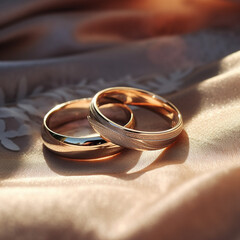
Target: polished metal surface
{"type": "Point", "coordinates": [69, 117]}
{"type": "Point", "coordinates": [128, 137]}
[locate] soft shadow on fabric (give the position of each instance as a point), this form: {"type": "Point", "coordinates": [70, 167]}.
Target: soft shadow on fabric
{"type": "Point", "coordinates": [120, 163]}
{"type": "Point", "coordinates": [187, 101]}
{"type": "Point", "coordinates": [10, 162]}
{"type": "Point", "coordinates": [202, 73]}
{"type": "Point", "coordinates": [128, 162]}
{"type": "Point", "coordinates": [176, 153]}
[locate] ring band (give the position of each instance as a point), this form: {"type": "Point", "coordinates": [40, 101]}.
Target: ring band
{"type": "Point", "coordinates": [131, 138]}
{"type": "Point", "coordinates": [89, 147]}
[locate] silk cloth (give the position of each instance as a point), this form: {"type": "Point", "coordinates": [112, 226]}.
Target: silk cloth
{"type": "Point", "coordinates": [54, 51]}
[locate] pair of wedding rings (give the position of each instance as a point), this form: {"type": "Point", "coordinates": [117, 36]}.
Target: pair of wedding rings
{"type": "Point", "coordinates": [113, 121]}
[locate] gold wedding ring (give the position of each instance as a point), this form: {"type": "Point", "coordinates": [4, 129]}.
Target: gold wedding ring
{"type": "Point", "coordinates": [128, 137]}
{"type": "Point", "coordinates": [66, 117]}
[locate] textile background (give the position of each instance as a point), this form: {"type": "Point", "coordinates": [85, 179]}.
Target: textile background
{"type": "Point", "coordinates": [54, 51]}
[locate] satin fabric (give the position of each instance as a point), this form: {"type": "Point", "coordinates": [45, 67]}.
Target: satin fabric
{"type": "Point", "coordinates": [54, 51]}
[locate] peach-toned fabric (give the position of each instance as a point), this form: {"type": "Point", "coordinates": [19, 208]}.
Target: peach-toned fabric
{"type": "Point", "coordinates": [54, 51]}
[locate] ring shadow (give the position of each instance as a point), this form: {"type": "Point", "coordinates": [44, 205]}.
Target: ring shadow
{"type": "Point", "coordinates": [127, 165]}
{"type": "Point", "coordinates": [176, 153]}
{"type": "Point", "coordinates": [111, 165]}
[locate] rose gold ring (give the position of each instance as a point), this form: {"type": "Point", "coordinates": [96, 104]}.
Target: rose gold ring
{"type": "Point", "coordinates": [66, 131]}
{"type": "Point", "coordinates": [131, 138]}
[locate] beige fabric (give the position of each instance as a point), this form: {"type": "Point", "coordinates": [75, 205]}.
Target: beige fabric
{"type": "Point", "coordinates": [54, 51]}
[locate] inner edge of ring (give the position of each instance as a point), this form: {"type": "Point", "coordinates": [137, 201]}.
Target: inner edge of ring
{"type": "Point", "coordinates": [173, 132]}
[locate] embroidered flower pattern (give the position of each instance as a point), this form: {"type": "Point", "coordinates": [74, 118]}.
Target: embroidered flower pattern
{"type": "Point", "coordinates": [6, 136]}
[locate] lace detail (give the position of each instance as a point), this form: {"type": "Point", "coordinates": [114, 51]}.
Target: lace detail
{"type": "Point", "coordinates": [5, 136]}
{"type": "Point", "coordinates": [35, 105]}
